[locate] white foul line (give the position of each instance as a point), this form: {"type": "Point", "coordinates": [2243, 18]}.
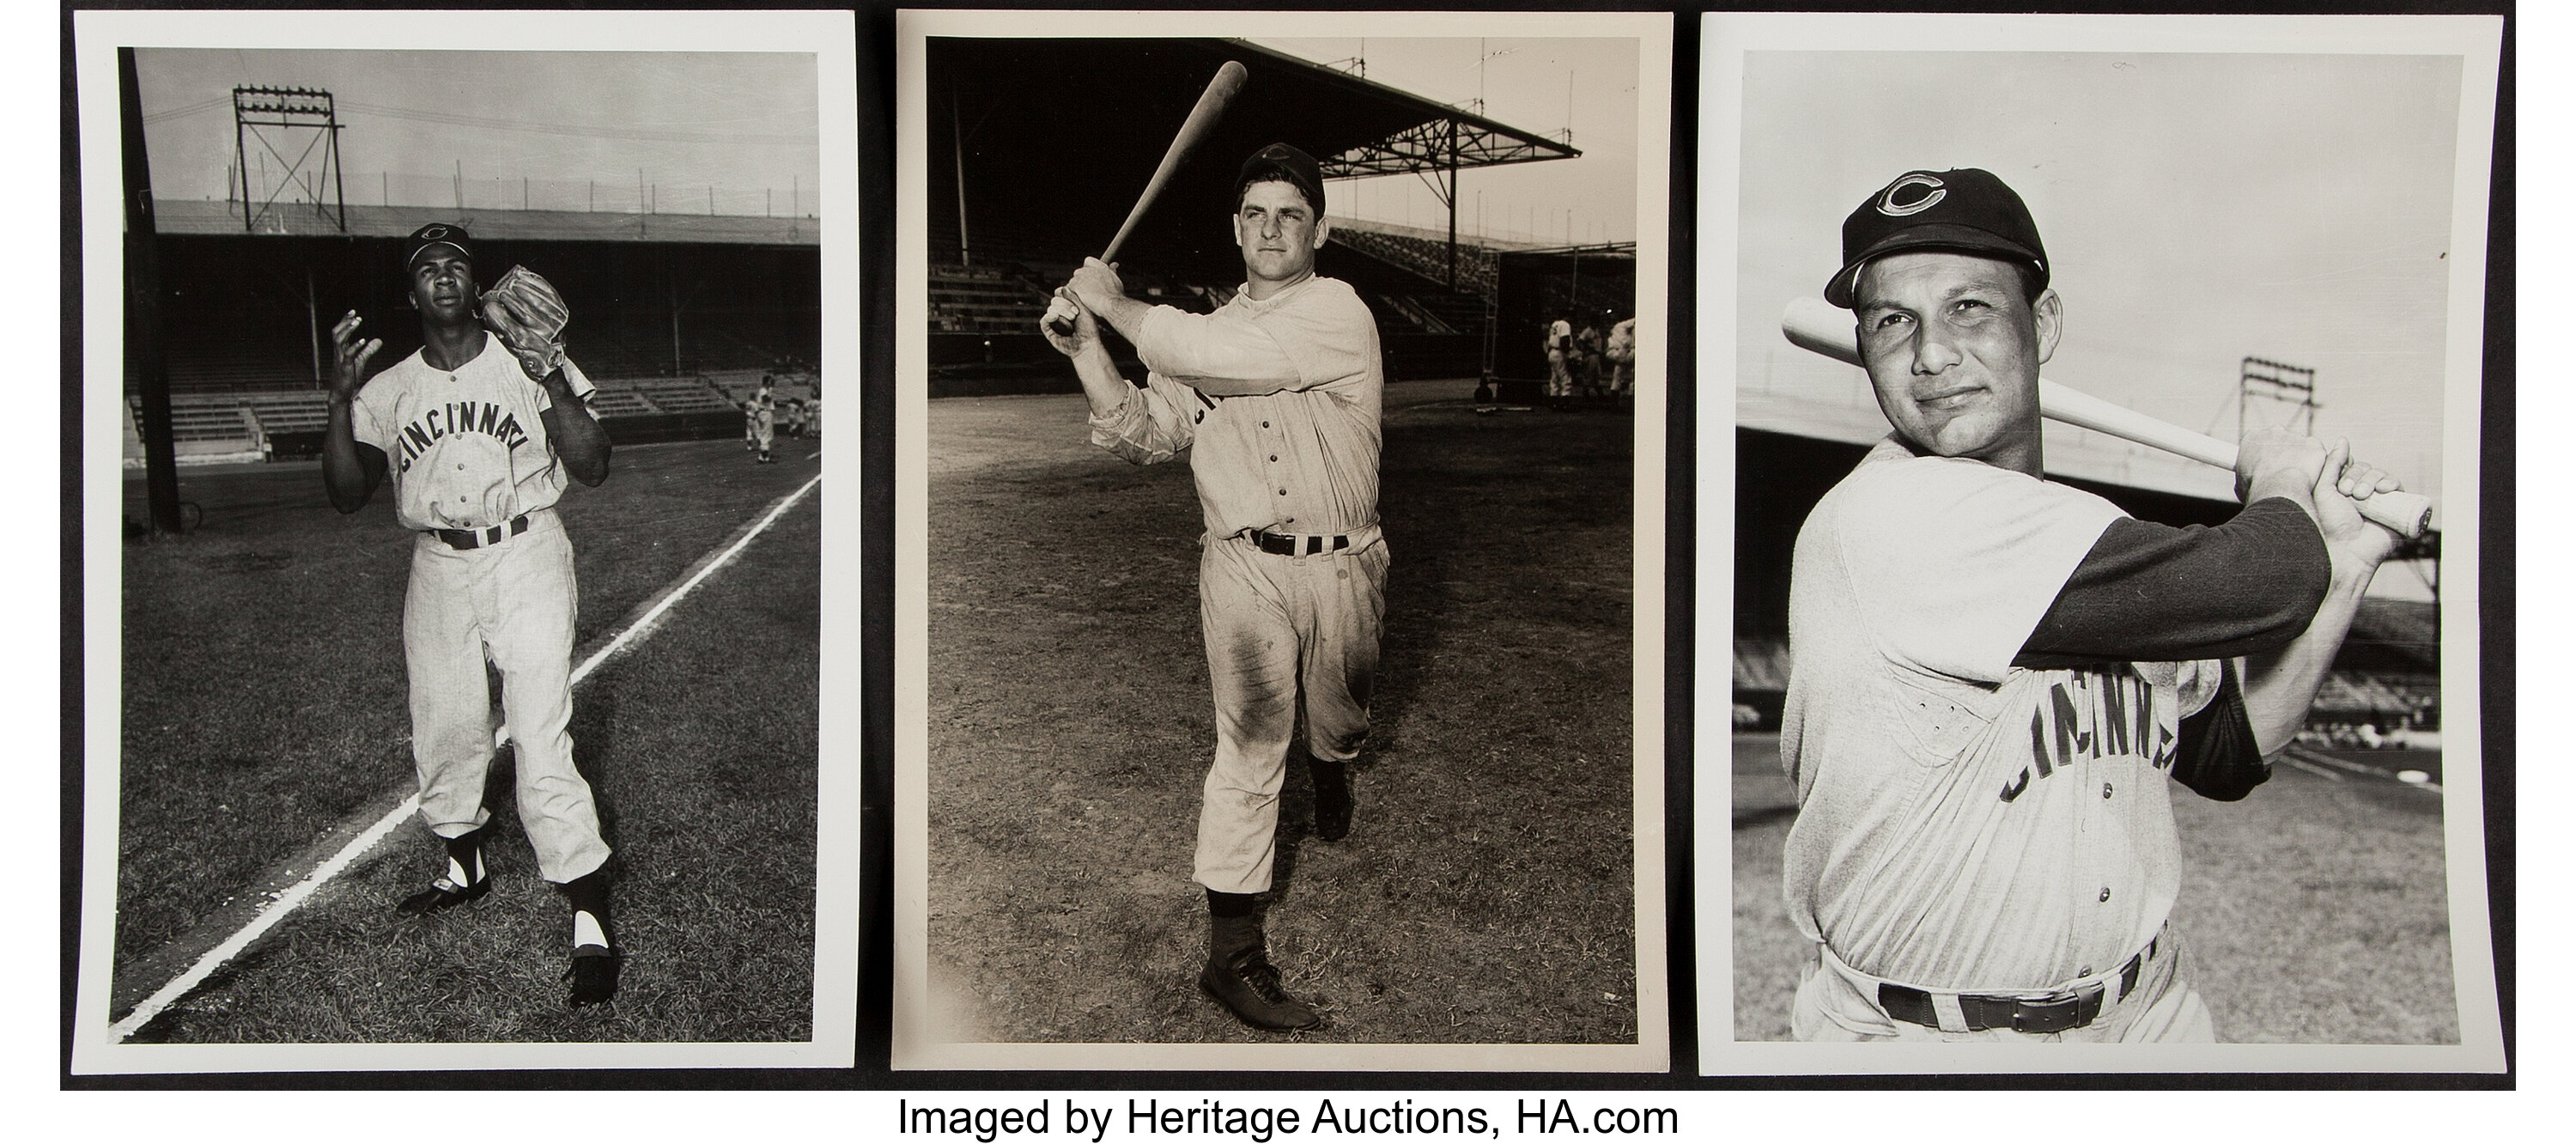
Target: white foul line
{"type": "Point", "coordinates": [294, 895]}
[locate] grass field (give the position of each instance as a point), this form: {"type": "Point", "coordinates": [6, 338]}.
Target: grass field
{"type": "Point", "coordinates": [1486, 893]}
{"type": "Point", "coordinates": [264, 702]}
{"type": "Point", "coordinates": [2312, 912]}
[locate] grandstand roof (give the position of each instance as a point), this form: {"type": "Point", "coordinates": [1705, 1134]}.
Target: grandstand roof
{"type": "Point", "coordinates": [207, 217]}
{"type": "Point", "coordinates": [1084, 123]}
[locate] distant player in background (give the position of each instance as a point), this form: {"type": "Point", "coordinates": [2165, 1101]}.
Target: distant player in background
{"type": "Point", "coordinates": [1622, 353]}
{"type": "Point", "coordinates": [1560, 355]}
{"type": "Point", "coordinates": [1590, 373]}
{"type": "Point", "coordinates": [761, 414]}
{"type": "Point", "coordinates": [479, 446]}
{"type": "Point", "coordinates": [1993, 676]}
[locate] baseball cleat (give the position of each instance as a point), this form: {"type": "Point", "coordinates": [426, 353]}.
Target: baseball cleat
{"type": "Point", "coordinates": [593, 975]}
{"type": "Point", "coordinates": [441, 894]}
{"type": "Point", "coordinates": [1248, 986]}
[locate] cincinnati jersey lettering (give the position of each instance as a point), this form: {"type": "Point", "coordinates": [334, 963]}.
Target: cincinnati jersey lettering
{"type": "Point", "coordinates": [2089, 715]}
{"type": "Point", "coordinates": [441, 421]}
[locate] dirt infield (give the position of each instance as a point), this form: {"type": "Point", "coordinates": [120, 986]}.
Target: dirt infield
{"type": "Point", "coordinates": [1486, 894]}
{"type": "Point", "coordinates": [264, 701]}
{"type": "Point", "coordinates": [2312, 912]}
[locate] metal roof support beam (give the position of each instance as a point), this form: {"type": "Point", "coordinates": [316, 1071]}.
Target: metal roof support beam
{"type": "Point", "coordinates": [1435, 145]}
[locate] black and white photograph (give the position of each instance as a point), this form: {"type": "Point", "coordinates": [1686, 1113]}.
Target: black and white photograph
{"type": "Point", "coordinates": [457, 619]}
{"type": "Point", "coordinates": [1280, 544]}
{"type": "Point", "coordinates": [2102, 555]}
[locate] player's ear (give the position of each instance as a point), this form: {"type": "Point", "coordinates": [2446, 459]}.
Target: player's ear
{"type": "Point", "coordinates": [2046, 321]}
{"type": "Point", "coordinates": [1323, 230]}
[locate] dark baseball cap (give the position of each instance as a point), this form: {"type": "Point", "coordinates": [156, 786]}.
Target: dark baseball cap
{"type": "Point", "coordinates": [1965, 209]}
{"type": "Point", "coordinates": [1287, 164]}
{"type": "Point", "coordinates": [435, 234]}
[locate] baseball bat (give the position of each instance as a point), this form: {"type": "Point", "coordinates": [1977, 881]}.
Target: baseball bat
{"type": "Point", "coordinates": [1211, 107]}
{"type": "Point", "coordinates": [1822, 327]}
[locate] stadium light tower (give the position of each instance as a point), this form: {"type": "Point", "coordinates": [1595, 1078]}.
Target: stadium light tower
{"type": "Point", "coordinates": [2284, 385]}
{"type": "Point", "coordinates": [295, 112]}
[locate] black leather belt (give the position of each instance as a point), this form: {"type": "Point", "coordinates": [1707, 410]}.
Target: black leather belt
{"type": "Point", "coordinates": [468, 539]}
{"type": "Point", "coordinates": [1277, 544]}
{"type": "Point", "coordinates": [2054, 1013]}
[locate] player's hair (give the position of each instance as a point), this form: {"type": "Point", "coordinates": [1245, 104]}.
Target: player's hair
{"type": "Point", "coordinates": [2033, 282]}
{"type": "Point", "coordinates": [1246, 189]}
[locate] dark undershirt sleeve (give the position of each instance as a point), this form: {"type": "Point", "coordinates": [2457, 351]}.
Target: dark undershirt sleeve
{"type": "Point", "coordinates": [2153, 593]}
{"type": "Point", "coordinates": [2216, 755]}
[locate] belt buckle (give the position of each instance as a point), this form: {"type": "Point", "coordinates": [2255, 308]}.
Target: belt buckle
{"type": "Point", "coordinates": [2059, 1013]}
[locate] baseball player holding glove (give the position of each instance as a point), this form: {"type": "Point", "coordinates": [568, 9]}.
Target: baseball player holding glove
{"type": "Point", "coordinates": [479, 431]}
{"type": "Point", "coordinates": [1275, 397]}
{"type": "Point", "coordinates": [1993, 676]}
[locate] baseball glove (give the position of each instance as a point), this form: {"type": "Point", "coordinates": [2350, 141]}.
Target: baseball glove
{"type": "Point", "coordinates": [529, 316]}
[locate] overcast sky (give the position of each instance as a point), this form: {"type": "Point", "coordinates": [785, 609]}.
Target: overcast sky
{"type": "Point", "coordinates": [2197, 209]}
{"type": "Point", "coordinates": [1525, 84]}
{"type": "Point", "coordinates": [741, 122]}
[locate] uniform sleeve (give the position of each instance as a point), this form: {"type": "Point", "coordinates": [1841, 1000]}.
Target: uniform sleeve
{"type": "Point", "coordinates": [1155, 424]}
{"type": "Point", "coordinates": [1224, 353]}
{"type": "Point", "coordinates": [1327, 332]}
{"type": "Point", "coordinates": [1953, 562]}
{"type": "Point", "coordinates": [2154, 592]}
{"type": "Point", "coordinates": [371, 419]}
{"type": "Point", "coordinates": [1320, 335]}
{"type": "Point", "coordinates": [2215, 753]}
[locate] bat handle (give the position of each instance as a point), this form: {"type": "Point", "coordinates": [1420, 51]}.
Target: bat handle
{"type": "Point", "coordinates": [2404, 513]}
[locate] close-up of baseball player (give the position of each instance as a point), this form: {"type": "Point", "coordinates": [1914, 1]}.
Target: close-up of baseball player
{"type": "Point", "coordinates": [480, 430]}
{"type": "Point", "coordinates": [1993, 676]}
{"type": "Point", "coordinates": [1275, 398]}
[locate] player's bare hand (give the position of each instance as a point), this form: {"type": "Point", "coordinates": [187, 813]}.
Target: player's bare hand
{"type": "Point", "coordinates": [2278, 463]}
{"type": "Point", "coordinates": [2341, 484]}
{"type": "Point", "coordinates": [1068, 312]}
{"type": "Point", "coordinates": [1097, 284]}
{"type": "Point", "coordinates": [349, 364]}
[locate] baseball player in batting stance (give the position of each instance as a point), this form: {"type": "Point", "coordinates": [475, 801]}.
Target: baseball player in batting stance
{"type": "Point", "coordinates": [1993, 676]}
{"type": "Point", "coordinates": [1275, 398]}
{"type": "Point", "coordinates": [479, 434]}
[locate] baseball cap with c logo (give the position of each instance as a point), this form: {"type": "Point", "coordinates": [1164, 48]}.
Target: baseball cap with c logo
{"type": "Point", "coordinates": [1964, 209]}
{"type": "Point", "coordinates": [436, 234]}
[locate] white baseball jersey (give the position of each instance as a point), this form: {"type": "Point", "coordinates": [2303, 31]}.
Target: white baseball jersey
{"type": "Point", "coordinates": [1965, 824]}
{"type": "Point", "coordinates": [468, 447]}
{"type": "Point", "coordinates": [1277, 403]}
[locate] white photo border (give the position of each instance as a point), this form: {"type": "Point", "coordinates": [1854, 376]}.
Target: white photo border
{"type": "Point", "coordinates": [2475, 39]}
{"type": "Point", "coordinates": [830, 37]}
{"type": "Point", "coordinates": [914, 1045]}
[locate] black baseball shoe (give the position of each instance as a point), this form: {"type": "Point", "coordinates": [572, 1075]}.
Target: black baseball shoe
{"type": "Point", "coordinates": [1248, 986]}
{"type": "Point", "coordinates": [464, 861]}
{"type": "Point", "coordinates": [592, 975]}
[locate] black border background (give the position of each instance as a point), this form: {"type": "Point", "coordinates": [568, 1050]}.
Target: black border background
{"type": "Point", "coordinates": [875, 35]}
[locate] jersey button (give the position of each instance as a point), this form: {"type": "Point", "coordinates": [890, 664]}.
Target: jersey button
{"type": "Point", "coordinates": [1265, 424]}
{"type": "Point", "coordinates": [1274, 456]}
{"type": "Point", "coordinates": [2106, 893]}
{"type": "Point", "coordinates": [2106, 790]}
{"type": "Point", "coordinates": [1283, 492]}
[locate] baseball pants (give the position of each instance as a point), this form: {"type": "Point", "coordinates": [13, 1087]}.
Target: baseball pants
{"type": "Point", "coordinates": [1833, 1005]}
{"type": "Point", "coordinates": [1277, 626]}
{"type": "Point", "coordinates": [763, 431]}
{"type": "Point", "coordinates": [513, 602]}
